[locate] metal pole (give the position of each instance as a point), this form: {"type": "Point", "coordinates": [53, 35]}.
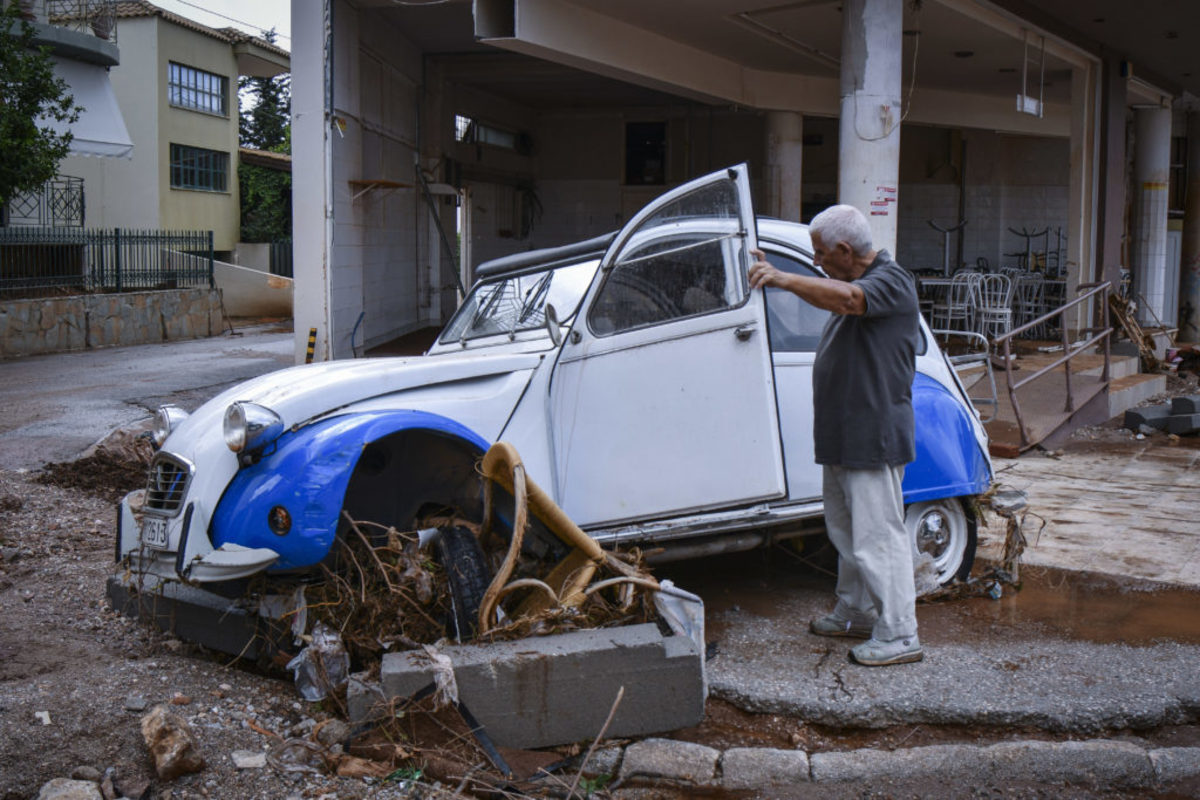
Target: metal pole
{"type": "Point", "coordinates": [211, 281]}
{"type": "Point", "coordinates": [117, 256]}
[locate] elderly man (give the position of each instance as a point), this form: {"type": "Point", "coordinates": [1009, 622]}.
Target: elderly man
{"type": "Point", "coordinates": [862, 429]}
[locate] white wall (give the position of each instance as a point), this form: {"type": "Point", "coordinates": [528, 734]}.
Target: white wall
{"type": "Point", "coordinates": [118, 192]}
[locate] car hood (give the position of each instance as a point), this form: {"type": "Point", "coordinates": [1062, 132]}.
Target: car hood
{"type": "Point", "coordinates": [300, 394]}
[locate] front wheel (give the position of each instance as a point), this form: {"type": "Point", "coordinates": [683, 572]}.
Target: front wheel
{"type": "Point", "coordinates": [947, 532]}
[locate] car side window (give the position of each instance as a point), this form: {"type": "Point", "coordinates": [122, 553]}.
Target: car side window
{"type": "Point", "coordinates": [683, 261]}
{"type": "Point", "coordinates": [794, 324]}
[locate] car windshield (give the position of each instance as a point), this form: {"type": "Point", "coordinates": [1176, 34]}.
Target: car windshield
{"type": "Point", "coordinates": [518, 303]}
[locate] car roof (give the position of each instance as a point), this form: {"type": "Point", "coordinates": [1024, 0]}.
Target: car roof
{"type": "Point", "coordinates": [770, 229]}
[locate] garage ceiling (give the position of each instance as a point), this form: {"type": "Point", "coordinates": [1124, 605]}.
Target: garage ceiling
{"type": "Point", "coordinates": [951, 50]}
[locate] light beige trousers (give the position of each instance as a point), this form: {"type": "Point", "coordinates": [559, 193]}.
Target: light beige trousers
{"type": "Point", "coordinates": [864, 517]}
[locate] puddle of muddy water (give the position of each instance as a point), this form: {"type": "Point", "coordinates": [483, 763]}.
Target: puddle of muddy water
{"type": "Point", "coordinates": [1096, 608]}
{"type": "Point", "coordinates": [1074, 605]}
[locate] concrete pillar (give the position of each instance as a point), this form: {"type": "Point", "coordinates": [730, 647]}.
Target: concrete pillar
{"type": "Point", "coordinates": [312, 213]}
{"type": "Point", "coordinates": [1081, 230]}
{"type": "Point", "coordinates": [1189, 291]}
{"type": "Point", "coordinates": [785, 145]}
{"type": "Point", "coordinates": [869, 142]}
{"type": "Point", "coordinates": [1151, 183]}
{"type": "Point", "coordinates": [1109, 260]}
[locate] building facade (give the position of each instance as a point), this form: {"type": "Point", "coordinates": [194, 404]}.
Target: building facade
{"type": "Point", "coordinates": [177, 89]}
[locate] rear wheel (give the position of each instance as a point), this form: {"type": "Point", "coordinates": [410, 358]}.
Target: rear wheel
{"type": "Point", "coordinates": [947, 532]}
{"type": "Point", "coordinates": [460, 555]}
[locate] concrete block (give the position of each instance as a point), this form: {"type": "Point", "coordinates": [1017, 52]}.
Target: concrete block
{"type": "Point", "coordinates": [1183, 423]}
{"type": "Point", "coordinates": [1154, 416]}
{"type": "Point", "coordinates": [1093, 763]}
{"type": "Point", "coordinates": [670, 760]}
{"type": "Point", "coordinates": [946, 760]}
{"type": "Point", "coordinates": [1188, 404]}
{"type": "Point", "coordinates": [754, 767]}
{"type": "Point", "coordinates": [551, 690]}
{"type": "Point", "coordinates": [1173, 764]}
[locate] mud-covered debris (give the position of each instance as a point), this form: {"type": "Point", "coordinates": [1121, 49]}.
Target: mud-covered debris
{"type": "Point", "coordinates": [171, 744]}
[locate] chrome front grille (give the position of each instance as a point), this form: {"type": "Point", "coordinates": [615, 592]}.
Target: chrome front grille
{"type": "Point", "coordinates": [169, 477]}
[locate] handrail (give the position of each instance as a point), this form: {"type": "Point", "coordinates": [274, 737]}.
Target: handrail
{"type": "Point", "coordinates": [1105, 333]}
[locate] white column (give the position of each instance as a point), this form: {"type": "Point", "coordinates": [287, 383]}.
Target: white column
{"type": "Point", "coordinates": [785, 150]}
{"type": "Point", "coordinates": [311, 193]}
{"type": "Point", "coordinates": [1189, 271]}
{"type": "Point", "coordinates": [869, 142]}
{"type": "Point", "coordinates": [1080, 253]}
{"type": "Point", "coordinates": [1151, 181]}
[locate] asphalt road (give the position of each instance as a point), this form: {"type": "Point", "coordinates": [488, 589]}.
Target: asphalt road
{"type": "Point", "coordinates": [53, 407]}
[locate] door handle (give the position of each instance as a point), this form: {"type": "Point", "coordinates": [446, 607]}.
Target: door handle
{"type": "Point", "coordinates": [744, 332]}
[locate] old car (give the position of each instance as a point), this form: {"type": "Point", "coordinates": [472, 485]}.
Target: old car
{"type": "Point", "coordinates": [649, 391]}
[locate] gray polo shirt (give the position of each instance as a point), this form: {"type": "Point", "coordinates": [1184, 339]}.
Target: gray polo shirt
{"type": "Point", "coordinates": [863, 374]}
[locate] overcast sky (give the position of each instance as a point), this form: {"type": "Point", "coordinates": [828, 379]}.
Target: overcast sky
{"type": "Point", "coordinates": [253, 16]}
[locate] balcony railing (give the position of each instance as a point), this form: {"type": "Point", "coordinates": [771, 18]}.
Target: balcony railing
{"type": "Point", "coordinates": [58, 203]}
{"type": "Point", "coordinates": [97, 17]}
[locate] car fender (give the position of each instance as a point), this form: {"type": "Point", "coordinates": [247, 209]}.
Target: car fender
{"type": "Point", "coordinates": [949, 461]}
{"type": "Point", "coordinates": [308, 473]}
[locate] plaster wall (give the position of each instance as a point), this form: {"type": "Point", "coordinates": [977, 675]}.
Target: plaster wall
{"type": "Point", "coordinates": [119, 192]}
{"type": "Point", "coordinates": [189, 208]}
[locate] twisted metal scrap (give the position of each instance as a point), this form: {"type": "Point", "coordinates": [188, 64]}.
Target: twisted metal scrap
{"type": "Point", "coordinates": [570, 583]}
{"type": "Point", "coordinates": [1010, 505]}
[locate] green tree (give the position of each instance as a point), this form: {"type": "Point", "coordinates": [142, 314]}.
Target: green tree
{"type": "Point", "coordinates": [265, 124]}
{"type": "Point", "coordinates": [31, 96]}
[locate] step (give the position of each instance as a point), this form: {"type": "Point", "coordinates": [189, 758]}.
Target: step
{"type": "Point", "coordinates": [1132, 390]}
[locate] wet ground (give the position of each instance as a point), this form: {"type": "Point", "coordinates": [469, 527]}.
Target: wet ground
{"type": "Point", "coordinates": [1072, 605]}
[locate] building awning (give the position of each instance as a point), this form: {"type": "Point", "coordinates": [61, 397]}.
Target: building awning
{"type": "Point", "coordinates": [100, 129]}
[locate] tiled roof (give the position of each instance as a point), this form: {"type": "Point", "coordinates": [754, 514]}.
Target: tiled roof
{"type": "Point", "coordinates": [143, 8]}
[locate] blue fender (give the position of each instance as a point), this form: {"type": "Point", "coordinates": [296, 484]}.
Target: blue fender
{"type": "Point", "coordinates": [308, 473]}
{"type": "Point", "coordinates": [949, 461]}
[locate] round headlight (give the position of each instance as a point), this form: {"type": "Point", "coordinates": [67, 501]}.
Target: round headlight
{"type": "Point", "coordinates": [166, 419]}
{"type": "Point", "coordinates": [250, 427]}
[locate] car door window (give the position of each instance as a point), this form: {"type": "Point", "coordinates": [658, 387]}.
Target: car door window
{"type": "Point", "coordinates": [794, 324]}
{"type": "Point", "coordinates": [682, 262]}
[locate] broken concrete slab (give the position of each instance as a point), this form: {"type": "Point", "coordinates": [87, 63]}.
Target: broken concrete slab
{"type": "Point", "coordinates": [1154, 416]}
{"type": "Point", "coordinates": [1183, 423]}
{"type": "Point", "coordinates": [670, 760]}
{"type": "Point", "coordinates": [550, 690]}
{"type": "Point", "coordinates": [1187, 404]}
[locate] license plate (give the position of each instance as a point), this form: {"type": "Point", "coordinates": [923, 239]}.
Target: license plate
{"type": "Point", "coordinates": [154, 532]}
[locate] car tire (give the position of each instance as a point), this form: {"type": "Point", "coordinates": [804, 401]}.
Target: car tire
{"type": "Point", "coordinates": [460, 555]}
{"type": "Point", "coordinates": [948, 532]}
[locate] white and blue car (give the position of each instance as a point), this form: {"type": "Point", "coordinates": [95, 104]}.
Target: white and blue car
{"type": "Point", "coordinates": [649, 391]}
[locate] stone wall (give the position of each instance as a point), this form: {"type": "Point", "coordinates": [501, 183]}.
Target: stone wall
{"type": "Point", "coordinates": [80, 322]}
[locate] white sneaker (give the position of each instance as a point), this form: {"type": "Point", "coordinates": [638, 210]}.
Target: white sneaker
{"type": "Point", "coordinates": [874, 653]}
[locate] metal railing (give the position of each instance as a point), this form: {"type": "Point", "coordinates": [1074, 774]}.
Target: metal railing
{"type": "Point", "coordinates": [1094, 291]}
{"type": "Point", "coordinates": [97, 17]}
{"type": "Point", "coordinates": [39, 262]}
{"type": "Point", "coordinates": [57, 203]}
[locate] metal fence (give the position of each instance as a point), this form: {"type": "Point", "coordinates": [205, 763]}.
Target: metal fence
{"type": "Point", "coordinates": [281, 258]}
{"type": "Point", "coordinates": [41, 262]}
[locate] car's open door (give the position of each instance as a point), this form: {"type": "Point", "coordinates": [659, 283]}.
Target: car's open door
{"type": "Point", "coordinates": [663, 402]}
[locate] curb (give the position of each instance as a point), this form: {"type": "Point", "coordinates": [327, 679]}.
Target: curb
{"type": "Point", "coordinates": [1094, 762]}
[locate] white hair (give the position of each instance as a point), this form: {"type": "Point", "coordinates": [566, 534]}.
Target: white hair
{"type": "Point", "coordinates": [843, 223]}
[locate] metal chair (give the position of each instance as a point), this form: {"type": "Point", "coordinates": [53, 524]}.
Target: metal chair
{"type": "Point", "coordinates": [1030, 301]}
{"type": "Point", "coordinates": [994, 314]}
{"type": "Point", "coordinates": [956, 311]}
